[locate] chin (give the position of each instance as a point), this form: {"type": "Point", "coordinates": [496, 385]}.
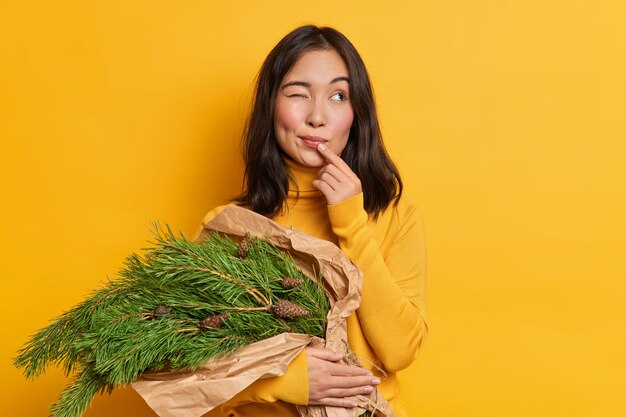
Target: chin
{"type": "Point", "coordinates": [314, 162]}
{"type": "Point", "coordinates": [310, 158]}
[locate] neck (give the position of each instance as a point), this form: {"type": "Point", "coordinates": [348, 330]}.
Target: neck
{"type": "Point", "coordinates": [302, 175]}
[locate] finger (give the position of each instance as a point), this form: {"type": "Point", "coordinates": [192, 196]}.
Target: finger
{"type": "Point", "coordinates": [336, 402]}
{"type": "Point", "coordinates": [351, 381]}
{"type": "Point", "coordinates": [334, 159]}
{"type": "Point", "coordinates": [323, 187]}
{"type": "Point", "coordinates": [339, 369]}
{"type": "Point", "coordinates": [330, 180]}
{"type": "Point", "coordinates": [349, 392]}
{"type": "Point", "coordinates": [323, 353]}
{"type": "Point", "coordinates": [330, 156]}
{"type": "Point", "coordinates": [334, 172]}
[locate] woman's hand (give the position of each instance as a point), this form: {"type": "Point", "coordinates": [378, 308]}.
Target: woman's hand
{"type": "Point", "coordinates": [334, 384]}
{"type": "Point", "coordinates": [336, 180]}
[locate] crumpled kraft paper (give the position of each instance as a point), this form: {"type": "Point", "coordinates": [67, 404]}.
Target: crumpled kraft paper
{"type": "Point", "coordinates": [192, 394]}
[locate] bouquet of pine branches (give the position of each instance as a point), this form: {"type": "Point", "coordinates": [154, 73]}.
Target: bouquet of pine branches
{"type": "Point", "coordinates": [181, 305]}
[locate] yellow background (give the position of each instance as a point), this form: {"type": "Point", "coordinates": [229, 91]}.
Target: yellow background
{"type": "Point", "coordinates": [506, 119]}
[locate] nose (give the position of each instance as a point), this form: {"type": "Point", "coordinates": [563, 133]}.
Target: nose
{"type": "Point", "coordinates": [317, 114]}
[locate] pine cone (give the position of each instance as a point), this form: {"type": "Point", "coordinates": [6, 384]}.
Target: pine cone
{"type": "Point", "coordinates": [161, 311]}
{"type": "Point", "coordinates": [244, 245]}
{"type": "Point", "coordinates": [213, 322]}
{"type": "Point", "coordinates": [288, 310]}
{"type": "Point", "coordinates": [289, 283]}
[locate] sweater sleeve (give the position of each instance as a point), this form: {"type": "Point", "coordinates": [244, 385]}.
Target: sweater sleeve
{"type": "Point", "coordinates": [392, 312]}
{"type": "Point", "coordinates": [292, 387]}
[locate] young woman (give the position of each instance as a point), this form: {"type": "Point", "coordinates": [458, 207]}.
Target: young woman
{"type": "Point", "coordinates": [315, 160]}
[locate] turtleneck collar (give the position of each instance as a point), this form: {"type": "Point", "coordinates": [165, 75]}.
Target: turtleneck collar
{"type": "Point", "coordinates": [302, 175]}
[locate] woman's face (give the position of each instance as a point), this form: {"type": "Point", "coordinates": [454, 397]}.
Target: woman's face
{"type": "Point", "coordinates": [313, 106]}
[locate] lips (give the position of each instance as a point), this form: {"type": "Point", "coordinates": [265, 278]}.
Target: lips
{"type": "Point", "coordinates": [312, 141]}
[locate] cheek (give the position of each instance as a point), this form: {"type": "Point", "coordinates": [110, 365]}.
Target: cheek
{"type": "Point", "coordinates": [347, 119]}
{"type": "Point", "coordinates": [286, 117]}
{"type": "Point", "coordinates": [343, 122]}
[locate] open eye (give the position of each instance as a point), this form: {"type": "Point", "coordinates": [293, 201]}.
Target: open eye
{"type": "Point", "coordinates": [339, 96]}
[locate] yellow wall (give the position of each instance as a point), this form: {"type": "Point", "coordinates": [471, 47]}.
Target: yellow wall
{"type": "Point", "coordinates": [506, 119]}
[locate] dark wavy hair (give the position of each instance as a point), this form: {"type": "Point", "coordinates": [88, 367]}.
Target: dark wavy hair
{"type": "Point", "coordinates": [266, 178]}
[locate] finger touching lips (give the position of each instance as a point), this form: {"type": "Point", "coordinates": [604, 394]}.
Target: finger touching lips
{"type": "Point", "coordinates": [326, 153]}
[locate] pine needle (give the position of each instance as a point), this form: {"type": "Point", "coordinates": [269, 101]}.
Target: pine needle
{"type": "Point", "coordinates": [149, 319]}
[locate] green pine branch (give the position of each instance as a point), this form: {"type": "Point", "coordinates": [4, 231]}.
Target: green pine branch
{"type": "Point", "coordinates": [150, 318]}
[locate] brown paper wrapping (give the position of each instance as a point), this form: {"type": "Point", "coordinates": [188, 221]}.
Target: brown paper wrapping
{"type": "Point", "coordinates": [192, 394]}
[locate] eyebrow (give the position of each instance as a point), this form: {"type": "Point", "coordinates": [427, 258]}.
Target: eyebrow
{"type": "Point", "coordinates": [308, 85]}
